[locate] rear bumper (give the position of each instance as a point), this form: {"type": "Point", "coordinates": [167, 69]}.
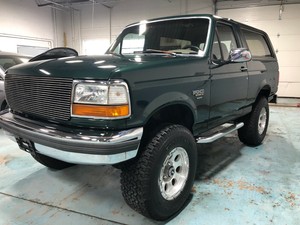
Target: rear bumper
{"type": "Point", "coordinates": [78, 146]}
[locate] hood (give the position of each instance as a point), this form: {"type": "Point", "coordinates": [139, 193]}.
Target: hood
{"type": "Point", "coordinates": [94, 67]}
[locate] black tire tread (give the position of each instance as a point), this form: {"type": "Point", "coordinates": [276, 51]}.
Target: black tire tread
{"type": "Point", "coordinates": [135, 179]}
{"type": "Point", "coordinates": [248, 134]}
{"type": "Point", "coordinates": [132, 185]}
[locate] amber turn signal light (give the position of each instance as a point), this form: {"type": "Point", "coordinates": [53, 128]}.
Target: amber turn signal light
{"type": "Point", "coordinates": [100, 110]}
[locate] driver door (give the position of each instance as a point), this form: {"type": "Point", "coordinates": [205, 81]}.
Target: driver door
{"type": "Point", "coordinates": [229, 81]}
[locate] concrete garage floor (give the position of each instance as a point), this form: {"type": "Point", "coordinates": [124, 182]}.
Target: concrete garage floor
{"type": "Point", "coordinates": [235, 185]}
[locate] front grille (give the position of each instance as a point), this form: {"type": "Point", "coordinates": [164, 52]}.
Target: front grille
{"type": "Point", "coordinates": [46, 97]}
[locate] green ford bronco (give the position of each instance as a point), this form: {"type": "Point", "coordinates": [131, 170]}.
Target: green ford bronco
{"type": "Point", "coordinates": [160, 89]}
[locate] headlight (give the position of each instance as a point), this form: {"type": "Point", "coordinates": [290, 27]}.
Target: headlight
{"type": "Point", "coordinates": [91, 93]}
{"type": "Point", "coordinates": [100, 99]}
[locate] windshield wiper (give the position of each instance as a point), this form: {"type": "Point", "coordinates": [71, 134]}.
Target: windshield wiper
{"type": "Point", "coordinates": [159, 51]}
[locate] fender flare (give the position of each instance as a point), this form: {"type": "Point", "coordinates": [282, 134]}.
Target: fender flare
{"type": "Point", "coordinates": [169, 99]}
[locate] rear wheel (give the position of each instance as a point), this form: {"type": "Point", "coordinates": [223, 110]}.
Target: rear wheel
{"type": "Point", "coordinates": [159, 182]}
{"type": "Point", "coordinates": [51, 162]}
{"type": "Point", "coordinates": [256, 124]}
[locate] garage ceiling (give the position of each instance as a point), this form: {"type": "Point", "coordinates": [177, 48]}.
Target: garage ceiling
{"type": "Point", "coordinates": [69, 3]}
{"type": "Point", "coordinates": [231, 4]}
{"type": "Point", "coordinates": [220, 4]}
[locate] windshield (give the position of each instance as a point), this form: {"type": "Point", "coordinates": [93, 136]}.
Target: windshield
{"type": "Point", "coordinates": [182, 36]}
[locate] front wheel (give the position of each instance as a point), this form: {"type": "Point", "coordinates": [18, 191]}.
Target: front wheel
{"type": "Point", "coordinates": [159, 183]}
{"type": "Point", "coordinates": [256, 124]}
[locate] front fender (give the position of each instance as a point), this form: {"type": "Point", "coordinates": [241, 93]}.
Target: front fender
{"type": "Point", "coordinates": [168, 99]}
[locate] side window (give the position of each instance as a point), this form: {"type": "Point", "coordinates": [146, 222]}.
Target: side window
{"type": "Point", "coordinates": [225, 39]}
{"type": "Point", "coordinates": [257, 44]}
{"type": "Point", "coordinates": [216, 51]}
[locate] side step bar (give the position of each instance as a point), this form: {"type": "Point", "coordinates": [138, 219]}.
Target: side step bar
{"type": "Point", "coordinates": [219, 134]}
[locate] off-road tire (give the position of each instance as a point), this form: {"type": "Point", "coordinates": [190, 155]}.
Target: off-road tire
{"type": "Point", "coordinates": [256, 124]}
{"type": "Point", "coordinates": [51, 162]}
{"type": "Point", "coordinates": [141, 182]}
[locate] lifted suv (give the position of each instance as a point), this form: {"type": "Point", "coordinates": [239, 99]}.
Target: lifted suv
{"type": "Point", "coordinates": [143, 107]}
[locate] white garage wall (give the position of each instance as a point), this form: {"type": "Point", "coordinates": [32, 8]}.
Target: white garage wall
{"type": "Point", "coordinates": [101, 26]}
{"type": "Point", "coordinates": [24, 23]}
{"type": "Point", "coordinates": [285, 36]}
{"type": "Point", "coordinates": [72, 29]}
{"type": "Point", "coordinates": [95, 30]}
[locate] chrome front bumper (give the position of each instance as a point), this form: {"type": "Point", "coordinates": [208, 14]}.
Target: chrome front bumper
{"type": "Point", "coordinates": [79, 146]}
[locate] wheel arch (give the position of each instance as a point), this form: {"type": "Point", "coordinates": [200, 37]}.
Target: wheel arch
{"type": "Point", "coordinates": [172, 113]}
{"type": "Point", "coordinates": [265, 91]}
{"type": "Point", "coordinates": [170, 108]}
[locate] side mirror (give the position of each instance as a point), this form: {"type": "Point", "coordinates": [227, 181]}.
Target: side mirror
{"type": "Point", "coordinates": [239, 55]}
{"type": "Point", "coordinates": [55, 53]}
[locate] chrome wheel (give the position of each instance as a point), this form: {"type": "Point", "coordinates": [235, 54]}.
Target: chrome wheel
{"type": "Point", "coordinates": [174, 173]}
{"type": "Point", "coordinates": [262, 121]}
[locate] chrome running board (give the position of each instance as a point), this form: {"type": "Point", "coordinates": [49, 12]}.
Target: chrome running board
{"type": "Point", "coordinates": [219, 134]}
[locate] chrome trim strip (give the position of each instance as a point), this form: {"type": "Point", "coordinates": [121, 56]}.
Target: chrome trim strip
{"type": "Point", "coordinates": [86, 159]}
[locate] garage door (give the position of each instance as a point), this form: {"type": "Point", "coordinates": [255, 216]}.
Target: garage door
{"type": "Point", "coordinates": [285, 36]}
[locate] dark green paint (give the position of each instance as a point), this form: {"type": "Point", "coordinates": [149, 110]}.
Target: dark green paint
{"type": "Point", "coordinates": [160, 80]}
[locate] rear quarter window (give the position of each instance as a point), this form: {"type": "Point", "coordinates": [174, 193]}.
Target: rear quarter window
{"type": "Point", "coordinates": [257, 44]}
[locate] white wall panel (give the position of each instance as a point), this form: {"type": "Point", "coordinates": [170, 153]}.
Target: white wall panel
{"type": "Point", "coordinates": [285, 36]}
{"type": "Point", "coordinates": [251, 14]}
{"type": "Point", "coordinates": [289, 59]}
{"type": "Point", "coordinates": [10, 44]}
{"type": "Point", "coordinates": [95, 32]}
{"type": "Point", "coordinates": [291, 74]}
{"type": "Point", "coordinates": [23, 17]}
{"type": "Point", "coordinates": [94, 22]}
{"type": "Point", "coordinates": [135, 10]}
{"type": "Point", "coordinates": [24, 23]}
{"type": "Point", "coordinates": [287, 42]}
{"type": "Point", "coordinates": [58, 17]}
{"type": "Point", "coordinates": [289, 89]}
{"type": "Point", "coordinates": [72, 29]}
{"type": "Point", "coordinates": [198, 7]}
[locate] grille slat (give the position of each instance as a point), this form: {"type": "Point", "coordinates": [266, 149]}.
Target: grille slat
{"type": "Point", "coordinates": [46, 97]}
